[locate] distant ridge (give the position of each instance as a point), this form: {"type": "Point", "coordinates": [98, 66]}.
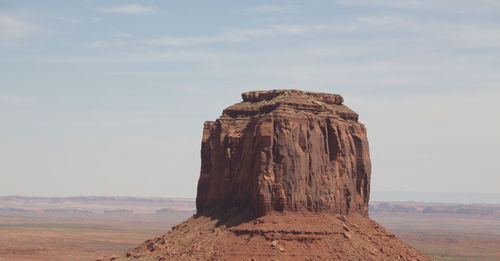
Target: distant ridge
{"type": "Point", "coordinates": [436, 197]}
{"type": "Point", "coordinates": [96, 204]}
{"type": "Point", "coordinates": [92, 197]}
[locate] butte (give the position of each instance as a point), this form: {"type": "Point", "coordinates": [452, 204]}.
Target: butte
{"type": "Point", "coordinates": [285, 175]}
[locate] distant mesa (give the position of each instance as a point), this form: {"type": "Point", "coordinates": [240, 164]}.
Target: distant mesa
{"type": "Point", "coordinates": [94, 204]}
{"type": "Point", "coordinates": [285, 175]}
{"type": "Point", "coordinates": [172, 210]}
{"type": "Point", "coordinates": [119, 211]}
{"type": "Point", "coordinates": [401, 208]}
{"type": "Point", "coordinates": [65, 210]}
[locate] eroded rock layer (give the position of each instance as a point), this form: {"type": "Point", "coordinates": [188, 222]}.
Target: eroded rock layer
{"type": "Point", "coordinates": [285, 150]}
{"type": "Point", "coordinates": [278, 236]}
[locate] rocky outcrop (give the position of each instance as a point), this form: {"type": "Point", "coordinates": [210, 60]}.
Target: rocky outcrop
{"type": "Point", "coordinates": [285, 150]}
{"type": "Point", "coordinates": [285, 175]}
{"type": "Point", "coordinates": [278, 236]}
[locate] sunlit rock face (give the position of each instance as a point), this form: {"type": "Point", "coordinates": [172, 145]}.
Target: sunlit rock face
{"type": "Point", "coordinates": [285, 150]}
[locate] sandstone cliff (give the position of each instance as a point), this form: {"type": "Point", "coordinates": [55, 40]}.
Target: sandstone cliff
{"type": "Point", "coordinates": [285, 150]}
{"type": "Point", "coordinates": [285, 175]}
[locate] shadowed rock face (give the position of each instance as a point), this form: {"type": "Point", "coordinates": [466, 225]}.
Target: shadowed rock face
{"type": "Point", "coordinates": [285, 150]}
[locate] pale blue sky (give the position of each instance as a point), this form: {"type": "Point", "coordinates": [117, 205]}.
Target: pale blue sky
{"type": "Point", "coordinates": [109, 97]}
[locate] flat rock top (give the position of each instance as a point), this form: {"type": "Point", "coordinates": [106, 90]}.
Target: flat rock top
{"type": "Point", "coordinates": [291, 102]}
{"type": "Point", "coordinates": [256, 96]}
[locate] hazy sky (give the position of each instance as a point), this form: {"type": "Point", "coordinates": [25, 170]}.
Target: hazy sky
{"type": "Point", "coordinates": [109, 97]}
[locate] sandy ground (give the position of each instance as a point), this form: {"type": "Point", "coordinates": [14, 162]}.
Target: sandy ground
{"type": "Point", "coordinates": [57, 236]}
{"type": "Point", "coordinates": [30, 236]}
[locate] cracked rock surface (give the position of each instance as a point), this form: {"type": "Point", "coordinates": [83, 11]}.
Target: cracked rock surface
{"type": "Point", "coordinates": [285, 150]}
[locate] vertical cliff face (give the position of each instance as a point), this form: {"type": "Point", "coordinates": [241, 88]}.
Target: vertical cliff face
{"type": "Point", "coordinates": [285, 150]}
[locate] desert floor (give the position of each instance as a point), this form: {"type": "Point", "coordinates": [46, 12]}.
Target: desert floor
{"type": "Point", "coordinates": [88, 236]}
{"type": "Point", "coordinates": [447, 237]}
{"type": "Point", "coordinates": [62, 236]}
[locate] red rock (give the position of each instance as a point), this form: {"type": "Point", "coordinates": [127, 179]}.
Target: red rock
{"type": "Point", "coordinates": [285, 175]}
{"type": "Point", "coordinates": [282, 236]}
{"type": "Point", "coordinates": [285, 150]}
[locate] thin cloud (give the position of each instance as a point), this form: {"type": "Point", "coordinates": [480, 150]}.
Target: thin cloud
{"type": "Point", "coordinates": [15, 100]}
{"type": "Point", "coordinates": [128, 9]}
{"type": "Point", "coordinates": [67, 20]}
{"type": "Point", "coordinates": [14, 29]}
{"type": "Point", "coordinates": [276, 9]}
{"type": "Point", "coordinates": [104, 44]}
{"type": "Point", "coordinates": [495, 3]}
{"type": "Point", "coordinates": [240, 35]}
{"type": "Point", "coordinates": [388, 3]}
{"type": "Point", "coordinates": [246, 35]}
{"type": "Point", "coordinates": [485, 36]}
{"type": "Point", "coordinates": [192, 56]}
{"type": "Point", "coordinates": [447, 6]}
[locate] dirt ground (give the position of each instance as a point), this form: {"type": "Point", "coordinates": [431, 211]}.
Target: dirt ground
{"type": "Point", "coordinates": [447, 237]}
{"type": "Point", "coordinates": [41, 236]}
{"type": "Point", "coordinates": [81, 236]}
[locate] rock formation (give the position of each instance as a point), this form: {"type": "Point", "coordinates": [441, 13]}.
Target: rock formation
{"type": "Point", "coordinates": [285, 175]}
{"type": "Point", "coordinates": [285, 150]}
